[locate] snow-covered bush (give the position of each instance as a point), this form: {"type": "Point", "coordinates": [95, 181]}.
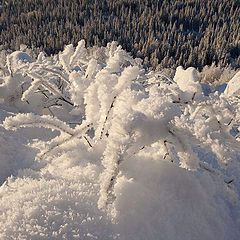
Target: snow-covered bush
{"type": "Point", "coordinates": [216, 75]}
{"type": "Point", "coordinates": [123, 122]}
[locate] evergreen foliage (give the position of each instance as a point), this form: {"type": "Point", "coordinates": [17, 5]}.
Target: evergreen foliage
{"type": "Point", "coordinates": [184, 32]}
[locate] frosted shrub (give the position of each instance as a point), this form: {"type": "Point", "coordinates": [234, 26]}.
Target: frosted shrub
{"type": "Point", "coordinates": [125, 113]}
{"type": "Point", "coordinates": [216, 75]}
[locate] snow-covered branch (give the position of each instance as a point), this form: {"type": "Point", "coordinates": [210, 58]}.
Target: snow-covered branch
{"type": "Point", "coordinates": [32, 120]}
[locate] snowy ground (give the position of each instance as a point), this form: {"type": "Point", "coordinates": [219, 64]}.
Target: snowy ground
{"type": "Point", "coordinates": [149, 157]}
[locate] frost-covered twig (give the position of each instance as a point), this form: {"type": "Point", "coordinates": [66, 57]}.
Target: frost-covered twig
{"type": "Point", "coordinates": [107, 116]}
{"type": "Point", "coordinates": [65, 140]}
{"type": "Point", "coordinates": [37, 81]}
{"type": "Point", "coordinates": [115, 152]}
{"type": "Point", "coordinates": [56, 72]}
{"type": "Point", "coordinates": [167, 150]}
{"type": "Point", "coordinates": [87, 140]}
{"type": "Point", "coordinates": [32, 120]}
{"type": "Point", "coordinates": [215, 172]}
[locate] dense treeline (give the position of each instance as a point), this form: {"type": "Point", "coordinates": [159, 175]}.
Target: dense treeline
{"type": "Point", "coordinates": [169, 32]}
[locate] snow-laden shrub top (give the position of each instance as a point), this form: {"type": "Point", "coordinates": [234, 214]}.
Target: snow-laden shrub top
{"type": "Point", "coordinates": [141, 141]}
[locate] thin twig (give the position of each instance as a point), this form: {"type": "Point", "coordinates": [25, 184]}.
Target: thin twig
{"type": "Point", "coordinates": [90, 145]}
{"type": "Point", "coordinates": [107, 115]}
{"type": "Point", "coordinates": [229, 181]}
{"type": "Point", "coordinates": [57, 73]}
{"type": "Point", "coordinates": [65, 100]}
{"type": "Point", "coordinates": [230, 122]}
{"type": "Point", "coordinates": [66, 140]}
{"type": "Point", "coordinates": [193, 96]}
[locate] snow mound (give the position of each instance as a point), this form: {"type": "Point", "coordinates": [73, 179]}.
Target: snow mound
{"type": "Point", "coordinates": [17, 60]}
{"type": "Point", "coordinates": [188, 82]}
{"type": "Point", "coordinates": [21, 56]}
{"type": "Point", "coordinates": [233, 86]}
{"type": "Point", "coordinates": [162, 201]}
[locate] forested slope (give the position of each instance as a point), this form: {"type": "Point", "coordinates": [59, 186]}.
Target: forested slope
{"type": "Point", "coordinates": [185, 32]}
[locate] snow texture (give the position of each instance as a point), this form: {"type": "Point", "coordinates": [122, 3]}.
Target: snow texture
{"type": "Point", "coordinates": [93, 146]}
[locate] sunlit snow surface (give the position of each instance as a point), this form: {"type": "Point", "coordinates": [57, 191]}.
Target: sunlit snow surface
{"type": "Point", "coordinates": [163, 164]}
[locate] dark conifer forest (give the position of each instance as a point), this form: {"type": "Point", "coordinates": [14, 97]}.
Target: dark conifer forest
{"type": "Point", "coordinates": [166, 32]}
